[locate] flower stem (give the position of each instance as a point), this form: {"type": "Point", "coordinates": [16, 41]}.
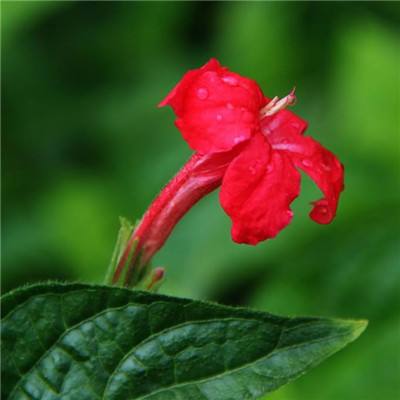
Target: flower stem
{"type": "Point", "coordinates": [199, 176]}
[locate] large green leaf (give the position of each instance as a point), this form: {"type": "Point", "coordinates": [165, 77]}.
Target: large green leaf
{"type": "Point", "coordinates": [76, 341]}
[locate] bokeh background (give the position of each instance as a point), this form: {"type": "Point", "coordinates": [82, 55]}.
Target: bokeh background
{"type": "Point", "coordinates": [84, 143]}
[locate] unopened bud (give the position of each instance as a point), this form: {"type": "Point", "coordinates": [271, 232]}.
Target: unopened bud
{"type": "Point", "coordinates": [156, 276]}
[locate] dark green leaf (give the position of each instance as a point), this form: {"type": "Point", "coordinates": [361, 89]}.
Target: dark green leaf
{"type": "Point", "coordinates": [86, 342]}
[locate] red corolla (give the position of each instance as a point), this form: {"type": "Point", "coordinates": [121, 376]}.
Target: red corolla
{"type": "Point", "coordinates": [248, 144]}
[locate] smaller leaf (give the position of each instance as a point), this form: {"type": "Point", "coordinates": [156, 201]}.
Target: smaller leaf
{"type": "Point", "coordinates": [89, 342]}
{"type": "Point", "coordinates": [124, 233]}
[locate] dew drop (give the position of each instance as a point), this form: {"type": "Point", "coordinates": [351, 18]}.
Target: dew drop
{"type": "Point", "coordinates": [307, 163]}
{"type": "Point", "coordinates": [295, 125]}
{"type": "Point", "coordinates": [252, 170]}
{"type": "Point", "coordinates": [230, 80]}
{"type": "Point", "coordinates": [219, 117]}
{"type": "Point", "coordinates": [202, 93]}
{"type": "Point", "coordinates": [266, 131]}
{"type": "Point", "coordinates": [323, 210]}
{"type": "Point", "coordinates": [229, 106]}
{"type": "Point", "coordinates": [239, 139]}
{"type": "Point", "coordinates": [326, 167]}
{"type": "Point", "coordinates": [270, 168]}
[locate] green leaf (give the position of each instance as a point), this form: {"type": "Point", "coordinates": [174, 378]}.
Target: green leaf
{"type": "Point", "coordinates": [76, 341]}
{"type": "Point", "coordinates": [124, 234]}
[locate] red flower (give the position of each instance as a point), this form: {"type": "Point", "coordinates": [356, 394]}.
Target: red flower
{"type": "Point", "coordinates": [217, 110]}
{"type": "Point", "coordinates": [251, 146]}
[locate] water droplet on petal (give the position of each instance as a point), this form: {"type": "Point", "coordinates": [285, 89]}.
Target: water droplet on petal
{"type": "Point", "coordinates": [270, 168]}
{"type": "Point", "coordinates": [252, 170]}
{"type": "Point", "coordinates": [230, 80]}
{"type": "Point", "coordinates": [322, 210]}
{"type": "Point", "coordinates": [266, 131]}
{"type": "Point", "coordinates": [307, 163]}
{"type": "Point", "coordinates": [295, 125]}
{"type": "Point", "coordinates": [239, 139]}
{"type": "Point", "coordinates": [285, 141]}
{"type": "Point", "coordinates": [219, 117]}
{"type": "Point", "coordinates": [326, 167]}
{"type": "Point", "coordinates": [202, 93]}
{"type": "Point", "coordinates": [229, 106]}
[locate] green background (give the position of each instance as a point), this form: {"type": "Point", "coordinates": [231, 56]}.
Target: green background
{"type": "Point", "coordinates": [84, 143]}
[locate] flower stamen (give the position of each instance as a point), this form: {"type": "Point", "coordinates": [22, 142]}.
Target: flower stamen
{"type": "Point", "coordinates": [277, 104]}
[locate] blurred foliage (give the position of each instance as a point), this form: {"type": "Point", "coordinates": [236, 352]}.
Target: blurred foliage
{"type": "Point", "coordinates": [84, 143]}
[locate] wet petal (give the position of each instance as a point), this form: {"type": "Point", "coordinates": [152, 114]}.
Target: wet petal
{"type": "Point", "coordinates": [257, 190]}
{"type": "Point", "coordinates": [326, 171]}
{"type": "Point", "coordinates": [284, 132]}
{"type": "Point", "coordinates": [176, 97]}
{"type": "Point", "coordinates": [281, 125]}
{"type": "Point", "coordinates": [216, 108]}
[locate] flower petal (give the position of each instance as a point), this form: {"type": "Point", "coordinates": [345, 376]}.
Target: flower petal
{"type": "Point", "coordinates": [284, 132]}
{"type": "Point", "coordinates": [216, 108]}
{"type": "Point", "coordinates": [284, 123]}
{"type": "Point", "coordinates": [176, 97]}
{"type": "Point", "coordinates": [257, 190]}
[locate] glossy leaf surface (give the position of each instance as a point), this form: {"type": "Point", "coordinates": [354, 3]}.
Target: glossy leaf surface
{"type": "Point", "coordinates": [79, 341]}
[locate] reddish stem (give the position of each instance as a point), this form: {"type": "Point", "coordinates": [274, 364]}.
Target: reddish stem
{"type": "Point", "coordinates": [199, 176]}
